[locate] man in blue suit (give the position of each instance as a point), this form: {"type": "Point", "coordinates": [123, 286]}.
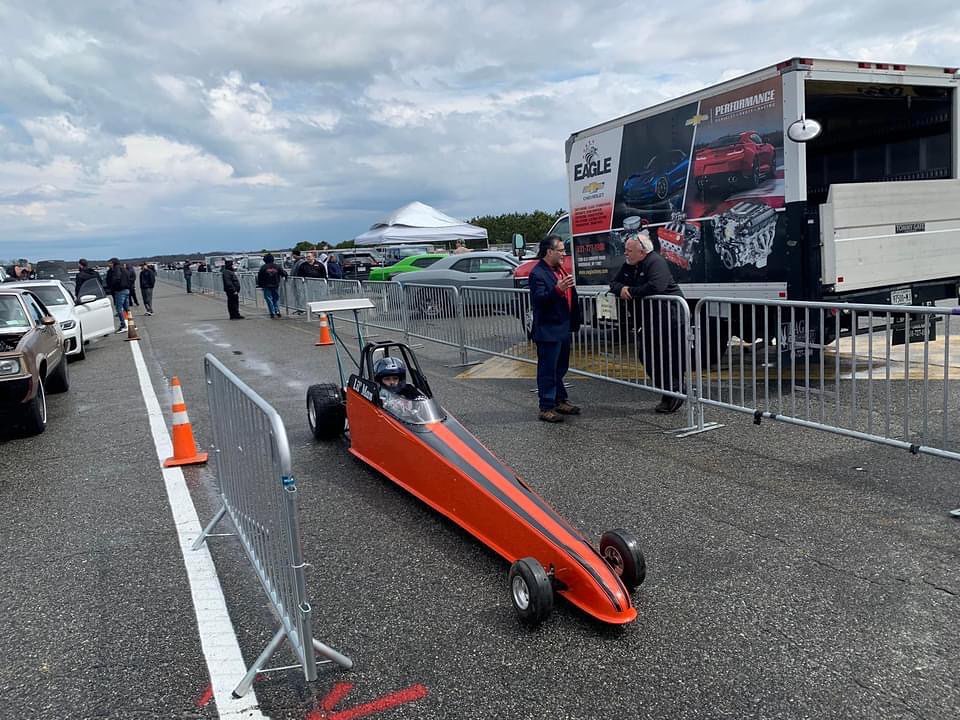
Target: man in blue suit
{"type": "Point", "coordinates": [556, 314]}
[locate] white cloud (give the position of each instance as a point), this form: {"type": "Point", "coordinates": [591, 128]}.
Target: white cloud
{"type": "Point", "coordinates": [255, 112]}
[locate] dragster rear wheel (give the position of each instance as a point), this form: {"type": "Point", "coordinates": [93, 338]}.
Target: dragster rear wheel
{"type": "Point", "coordinates": [530, 591]}
{"type": "Point", "coordinates": [326, 413]}
{"type": "Point", "coordinates": [622, 552]}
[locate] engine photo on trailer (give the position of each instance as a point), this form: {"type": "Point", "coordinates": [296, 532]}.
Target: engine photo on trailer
{"type": "Point", "coordinates": [397, 427]}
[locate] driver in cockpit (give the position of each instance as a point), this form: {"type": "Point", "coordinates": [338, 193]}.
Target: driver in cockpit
{"type": "Point", "coordinates": [391, 373]}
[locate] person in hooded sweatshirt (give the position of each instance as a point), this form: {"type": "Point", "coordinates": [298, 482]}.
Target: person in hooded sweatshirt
{"type": "Point", "coordinates": [231, 286]}
{"type": "Point", "coordinates": [268, 278]}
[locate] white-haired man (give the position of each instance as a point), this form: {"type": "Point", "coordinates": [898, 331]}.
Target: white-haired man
{"type": "Point", "coordinates": [646, 273]}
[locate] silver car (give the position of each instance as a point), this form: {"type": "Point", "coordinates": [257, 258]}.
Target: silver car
{"type": "Point", "coordinates": [487, 268]}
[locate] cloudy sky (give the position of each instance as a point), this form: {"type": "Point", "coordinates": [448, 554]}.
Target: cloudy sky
{"type": "Point", "coordinates": [154, 126]}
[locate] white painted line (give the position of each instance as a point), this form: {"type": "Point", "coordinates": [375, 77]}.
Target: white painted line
{"type": "Point", "coordinates": [217, 636]}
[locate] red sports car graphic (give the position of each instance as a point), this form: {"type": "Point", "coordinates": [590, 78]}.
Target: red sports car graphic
{"type": "Point", "coordinates": [734, 160]}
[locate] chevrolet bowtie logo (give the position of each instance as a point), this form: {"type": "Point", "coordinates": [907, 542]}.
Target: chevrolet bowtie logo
{"type": "Point", "coordinates": [696, 120]}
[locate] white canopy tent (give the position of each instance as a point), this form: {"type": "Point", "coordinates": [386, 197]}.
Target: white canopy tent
{"type": "Point", "coordinates": [419, 223]}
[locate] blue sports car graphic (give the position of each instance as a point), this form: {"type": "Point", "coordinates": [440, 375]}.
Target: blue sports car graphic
{"type": "Point", "coordinates": [663, 176]}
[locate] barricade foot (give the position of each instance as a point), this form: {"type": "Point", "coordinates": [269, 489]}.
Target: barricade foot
{"type": "Point", "coordinates": [244, 687]}
{"type": "Point", "coordinates": [209, 528]}
{"type": "Point", "coordinates": [332, 655]}
{"type": "Point", "coordinates": [693, 430]}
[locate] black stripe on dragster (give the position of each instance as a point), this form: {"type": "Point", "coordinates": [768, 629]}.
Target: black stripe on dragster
{"type": "Point", "coordinates": [470, 441]}
{"type": "Point", "coordinates": [445, 451]}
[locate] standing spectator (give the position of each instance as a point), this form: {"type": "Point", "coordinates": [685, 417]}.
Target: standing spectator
{"type": "Point", "coordinates": [310, 268]}
{"type": "Point", "coordinates": [334, 268]}
{"type": "Point", "coordinates": [460, 248]}
{"type": "Point", "coordinates": [148, 280]}
{"type": "Point", "coordinates": [187, 275]}
{"type": "Point", "coordinates": [645, 273]}
{"type": "Point", "coordinates": [84, 274]}
{"type": "Point", "coordinates": [231, 286]}
{"type": "Point", "coordinates": [268, 278]}
{"type": "Point", "coordinates": [201, 267]}
{"type": "Point", "coordinates": [297, 260]}
{"type": "Point", "coordinates": [131, 271]}
{"type": "Point", "coordinates": [118, 281]}
{"type": "Point", "coordinates": [20, 270]}
{"type": "Point", "coordinates": [297, 263]}
{"type": "Point", "coordinates": [556, 314]}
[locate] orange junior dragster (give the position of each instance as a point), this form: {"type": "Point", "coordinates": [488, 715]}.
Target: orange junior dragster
{"type": "Point", "coordinates": [397, 427]}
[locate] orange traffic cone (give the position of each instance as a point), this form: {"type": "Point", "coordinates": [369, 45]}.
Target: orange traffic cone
{"type": "Point", "coordinates": [132, 333]}
{"type": "Point", "coordinates": [184, 446]}
{"type": "Point", "coordinates": [324, 338]}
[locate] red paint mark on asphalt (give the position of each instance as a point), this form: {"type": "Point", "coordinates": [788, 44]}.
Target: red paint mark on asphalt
{"type": "Point", "coordinates": [341, 690]}
{"type": "Point", "coordinates": [206, 697]}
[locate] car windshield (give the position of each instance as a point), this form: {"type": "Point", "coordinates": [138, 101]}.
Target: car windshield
{"type": "Point", "coordinates": [419, 411]}
{"type": "Point", "coordinates": [11, 313]}
{"type": "Point", "coordinates": [724, 140]}
{"type": "Point", "coordinates": [49, 294]}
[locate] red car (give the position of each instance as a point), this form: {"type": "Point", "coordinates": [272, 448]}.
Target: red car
{"type": "Point", "coordinates": [733, 161]}
{"type": "Point", "coordinates": [407, 436]}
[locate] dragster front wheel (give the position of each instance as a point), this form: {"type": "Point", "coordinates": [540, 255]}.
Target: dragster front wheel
{"type": "Point", "coordinates": [326, 412]}
{"type": "Point", "coordinates": [530, 591]}
{"type": "Point", "coordinates": [622, 552]}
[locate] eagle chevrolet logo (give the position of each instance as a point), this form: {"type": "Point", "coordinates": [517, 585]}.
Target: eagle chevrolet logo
{"type": "Point", "coordinates": [696, 120]}
{"type": "Point", "coordinates": [593, 187]}
{"type": "Point", "coordinates": [591, 165]}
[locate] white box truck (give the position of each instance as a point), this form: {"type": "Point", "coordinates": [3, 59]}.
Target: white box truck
{"type": "Point", "coordinates": [746, 199]}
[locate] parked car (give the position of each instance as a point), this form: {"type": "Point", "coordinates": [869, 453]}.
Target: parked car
{"type": "Point", "coordinates": [51, 270]}
{"type": "Point", "coordinates": [664, 175]}
{"type": "Point", "coordinates": [32, 358]}
{"type": "Point", "coordinates": [358, 263]}
{"type": "Point", "coordinates": [82, 319]}
{"type": "Point", "coordinates": [734, 160]}
{"type": "Point", "coordinates": [408, 264]}
{"type": "Point", "coordinates": [487, 268]}
{"type": "Point", "coordinates": [395, 253]}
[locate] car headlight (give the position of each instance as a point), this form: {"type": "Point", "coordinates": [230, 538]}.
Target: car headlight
{"type": "Point", "coordinates": [9, 366]}
{"type": "Point", "coordinates": [68, 324]}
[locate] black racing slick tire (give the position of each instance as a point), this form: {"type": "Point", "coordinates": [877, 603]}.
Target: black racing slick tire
{"type": "Point", "coordinates": [622, 552]}
{"type": "Point", "coordinates": [35, 412]}
{"type": "Point", "coordinates": [59, 380]}
{"type": "Point", "coordinates": [530, 591]}
{"type": "Point", "coordinates": [326, 413]}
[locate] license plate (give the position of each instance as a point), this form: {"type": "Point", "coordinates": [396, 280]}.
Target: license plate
{"type": "Point", "coordinates": [901, 297]}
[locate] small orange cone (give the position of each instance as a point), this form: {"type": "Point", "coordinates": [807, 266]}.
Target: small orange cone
{"type": "Point", "coordinates": [184, 446]}
{"type": "Point", "coordinates": [324, 338]}
{"type": "Point", "coordinates": [132, 333]}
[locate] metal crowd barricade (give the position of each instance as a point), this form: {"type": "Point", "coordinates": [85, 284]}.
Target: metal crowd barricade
{"type": "Point", "coordinates": [646, 344]}
{"type": "Point", "coordinates": [832, 367]}
{"type": "Point", "coordinates": [259, 494]}
{"type": "Point", "coordinates": [388, 312]}
{"type": "Point", "coordinates": [435, 313]}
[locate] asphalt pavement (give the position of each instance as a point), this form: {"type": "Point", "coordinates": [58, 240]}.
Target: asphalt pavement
{"type": "Point", "coordinates": [791, 574]}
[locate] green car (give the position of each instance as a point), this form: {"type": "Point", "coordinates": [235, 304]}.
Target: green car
{"type": "Point", "coordinates": [414, 262]}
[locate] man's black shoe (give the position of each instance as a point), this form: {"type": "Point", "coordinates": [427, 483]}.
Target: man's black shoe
{"type": "Point", "coordinates": [664, 406]}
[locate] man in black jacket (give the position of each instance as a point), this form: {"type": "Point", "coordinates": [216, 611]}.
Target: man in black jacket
{"type": "Point", "coordinates": [646, 273]}
{"type": "Point", "coordinates": [148, 280]}
{"type": "Point", "coordinates": [84, 274]}
{"type": "Point", "coordinates": [231, 286]}
{"type": "Point", "coordinates": [118, 283]}
{"type": "Point", "coordinates": [269, 277]}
